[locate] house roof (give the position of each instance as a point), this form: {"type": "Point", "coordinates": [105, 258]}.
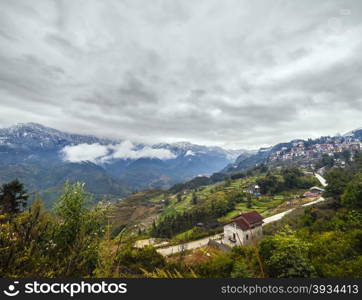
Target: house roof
{"type": "Point", "coordinates": [242, 224]}
{"type": "Point", "coordinates": [310, 195]}
{"type": "Point", "coordinates": [248, 220]}
{"type": "Point", "coordinates": [251, 217]}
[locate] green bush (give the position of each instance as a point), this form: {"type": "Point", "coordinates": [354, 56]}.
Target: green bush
{"type": "Point", "coordinates": [219, 267]}
{"type": "Point", "coordinates": [135, 260]}
{"type": "Point", "coordinates": [285, 255]}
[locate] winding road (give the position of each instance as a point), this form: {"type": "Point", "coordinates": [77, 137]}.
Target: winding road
{"type": "Point", "coordinates": [321, 179]}
{"type": "Point", "coordinates": [203, 242]}
{"type": "Point", "coordinates": [282, 214]}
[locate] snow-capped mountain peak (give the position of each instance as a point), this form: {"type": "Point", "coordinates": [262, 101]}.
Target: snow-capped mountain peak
{"type": "Point", "coordinates": [352, 132]}
{"type": "Point", "coordinates": [37, 136]}
{"type": "Point", "coordinates": [33, 135]}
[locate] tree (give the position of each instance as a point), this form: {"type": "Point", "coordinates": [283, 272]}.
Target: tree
{"type": "Point", "coordinates": [291, 176]}
{"type": "Point", "coordinates": [346, 155]}
{"type": "Point", "coordinates": [78, 232]}
{"type": "Point", "coordinates": [179, 197]}
{"type": "Point", "coordinates": [269, 184]}
{"type": "Point", "coordinates": [194, 198]}
{"type": "Point", "coordinates": [326, 161]}
{"type": "Point", "coordinates": [13, 197]}
{"type": "Point", "coordinates": [337, 181]}
{"type": "Point", "coordinates": [27, 252]}
{"type": "Point", "coordinates": [249, 202]}
{"type": "Point", "coordinates": [357, 162]}
{"type": "Point", "coordinates": [338, 253]}
{"type": "Point", "coordinates": [352, 196]}
{"type": "Point", "coordinates": [263, 168]}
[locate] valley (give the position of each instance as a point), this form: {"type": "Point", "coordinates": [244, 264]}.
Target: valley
{"type": "Point", "coordinates": [179, 230]}
{"type": "Point", "coordinates": [45, 158]}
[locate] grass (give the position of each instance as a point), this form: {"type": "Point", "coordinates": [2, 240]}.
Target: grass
{"type": "Point", "coordinates": [184, 235]}
{"type": "Point", "coordinates": [263, 204]}
{"type": "Point", "coordinates": [194, 233]}
{"type": "Point", "coordinates": [158, 198]}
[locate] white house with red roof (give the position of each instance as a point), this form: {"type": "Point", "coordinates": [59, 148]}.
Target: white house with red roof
{"type": "Point", "coordinates": [244, 229]}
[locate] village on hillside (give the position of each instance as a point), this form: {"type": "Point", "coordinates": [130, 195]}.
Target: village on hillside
{"type": "Point", "coordinates": [308, 153]}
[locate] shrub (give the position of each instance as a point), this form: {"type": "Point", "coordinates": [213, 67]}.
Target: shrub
{"type": "Point", "coordinates": [285, 255]}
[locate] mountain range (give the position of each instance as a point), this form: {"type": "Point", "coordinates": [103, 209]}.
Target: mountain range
{"type": "Point", "coordinates": [45, 158]}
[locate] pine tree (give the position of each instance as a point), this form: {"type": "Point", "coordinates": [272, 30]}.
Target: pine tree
{"type": "Point", "coordinates": [194, 198]}
{"type": "Point", "coordinates": [13, 197]}
{"type": "Point", "coordinates": [249, 202]}
{"type": "Point", "coordinates": [179, 197]}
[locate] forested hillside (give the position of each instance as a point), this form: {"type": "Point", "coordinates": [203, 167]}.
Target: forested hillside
{"type": "Point", "coordinates": [77, 238]}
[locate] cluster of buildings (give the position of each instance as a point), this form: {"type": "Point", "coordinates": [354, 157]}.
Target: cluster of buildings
{"type": "Point", "coordinates": [311, 152]}
{"type": "Point", "coordinates": [253, 189]}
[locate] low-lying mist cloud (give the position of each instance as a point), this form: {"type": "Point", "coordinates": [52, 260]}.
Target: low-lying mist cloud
{"type": "Point", "coordinates": [126, 150]}
{"type": "Point", "coordinates": [84, 152]}
{"type": "Point", "coordinates": [97, 153]}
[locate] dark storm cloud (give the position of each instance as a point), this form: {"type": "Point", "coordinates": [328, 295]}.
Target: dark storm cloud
{"type": "Point", "coordinates": [232, 73]}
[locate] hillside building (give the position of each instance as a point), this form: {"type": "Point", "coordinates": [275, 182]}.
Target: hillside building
{"type": "Point", "coordinates": [244, 229]}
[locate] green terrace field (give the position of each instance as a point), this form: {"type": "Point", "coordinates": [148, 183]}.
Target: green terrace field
{"type": "Point", "coordinates": [220, 202]}
{"type": "Point", "coordinates": [207, 194]}
{"type": "Point", "coordinates": [204, 194]}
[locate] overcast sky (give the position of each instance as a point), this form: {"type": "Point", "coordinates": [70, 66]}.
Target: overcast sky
{"type": "Point", "coordinates": [233, 73]}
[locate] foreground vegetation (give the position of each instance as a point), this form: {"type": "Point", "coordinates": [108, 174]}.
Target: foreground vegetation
{"type": "Point", "coordinates": [77, 239]}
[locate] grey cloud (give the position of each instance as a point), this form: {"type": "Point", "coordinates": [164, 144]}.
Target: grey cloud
{"type": "Point", "coordinates": [230, 73]}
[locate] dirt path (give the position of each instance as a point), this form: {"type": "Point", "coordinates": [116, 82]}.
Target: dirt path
{"type": "Point", "coordinates": [282, 214]}
{"type": "Point", "coordinates": [187, 246]}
